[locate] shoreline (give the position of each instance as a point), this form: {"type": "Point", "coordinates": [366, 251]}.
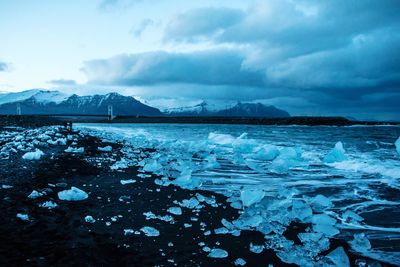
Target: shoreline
{"type": "Point", "coordinates": [61, 236]}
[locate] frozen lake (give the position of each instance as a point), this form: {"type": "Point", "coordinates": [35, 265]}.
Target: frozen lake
{"type": "Point", "coordinates": [280, 174]}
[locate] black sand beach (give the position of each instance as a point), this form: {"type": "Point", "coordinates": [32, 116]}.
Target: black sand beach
{"type": "Point", "coordinates": [62, 237]}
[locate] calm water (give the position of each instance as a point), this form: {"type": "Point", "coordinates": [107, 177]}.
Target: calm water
{"type": "Point", "coordinates": [231, 158]}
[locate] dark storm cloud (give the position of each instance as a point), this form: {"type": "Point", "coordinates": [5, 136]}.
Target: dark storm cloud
{"type": "Point", "coordinates": [211, 67]}
{"type": "Point", "coordinates": [62, 82]}
{"type": "Point", "coordinates": [337, 56]}
{"type": "Point", "coordinates": [3, 66]}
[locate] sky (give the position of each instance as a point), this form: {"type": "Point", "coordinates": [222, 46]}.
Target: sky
{"type": "Point", "coordinates": [308, 57]}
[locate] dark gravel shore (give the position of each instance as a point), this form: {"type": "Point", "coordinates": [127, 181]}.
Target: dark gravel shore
{"type": "Point", "coordinates": [61, 236]}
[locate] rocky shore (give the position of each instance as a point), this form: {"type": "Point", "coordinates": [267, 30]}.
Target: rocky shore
{"type": "Point", "coordinates": [118, 215]}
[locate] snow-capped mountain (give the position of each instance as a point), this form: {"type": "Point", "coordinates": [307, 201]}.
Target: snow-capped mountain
{"type": "Point", "coordinates": [201, 109]}
{"type": "Point", "coordinates": [238, 110]}
{"type": "Point", "coordinates": [54, 102]}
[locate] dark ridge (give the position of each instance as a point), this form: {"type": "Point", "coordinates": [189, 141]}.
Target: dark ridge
{"type": "Point", "coordinates": [27, 121]}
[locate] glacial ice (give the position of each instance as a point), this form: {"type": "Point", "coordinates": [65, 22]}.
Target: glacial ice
{"type": "Point", "coordinates": [33, 155]}
{"type": "Point", "coordinates": [240, 262]}
{"type": "Point", "coordinates": [89, 219]}
{"type": "Point", "coordinates": [217, 253]}
{"type": "Point", "coordinates": [360, 243]}
{"type": "Point", "coordinates": [256, 248]}
{"type": "Point", "coordinates": [190, 203]}
{"type": "Point", "coordinates": [129, 181]}
{"type": "Point", "coordinates": [288, 158]}
{"type": "Point", "coordinates": [301, 210]}
{"type": "Point", "coordinates": [337, 154]}
{"type": "Point", "coordinates": [23, 217]}
{"type": "Point", "coordinates": [73, 194]}
{"type": "Point", "coordinates": [48, 205]}
{"type": "Point", "coordinates": [251, 196]}
{"type": "Point", "coordinates": [150, 231]}
{"type": "Point", "coordinates": [325, 224]}
{"type": "Point", "coordinates": [105, 149]}
{"type": "Point", "coordinates": [35, 194]}
{"type": "Point", "coordinates": [75, 150]}
{"type": "Point", "coordinates": [339, 257]}
{"type": "Point", "coordinates": [397, 144]}
{"type": "Point", "coordinates": [175, 210]}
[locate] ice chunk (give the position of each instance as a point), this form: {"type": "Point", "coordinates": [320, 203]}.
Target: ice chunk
{"type": "Point", "coordinates": [220, 231]}
{"type": "Point", "coordinates": [186, 181]}
{"type": "Point", "coordinates": [360, 243]}
{"type": "Point", "coordinates": [320, 202]}
{"type": "Point", "coordinates": [33, 155]}
{"type": "Point", "coordinates": [218, 253]}
{"type": "Point", "coordinates": [121, 164]}
{"type": "Point", "coordinates": [105, 149]}
{"type": "Point", "coordinates": [337, 154]}
{"type": "Point", "coordinates": [89, 219]}
{"type": "Point", "coordinates": [75, 150]}
{"type": "Point", "coordinates": [323, 223]}
{"type": "Point", "coordinates": [351, 216]}
{"type": "Point", "coordinates": [339, 257]}
{"type": "Point", "coordinates": [48, 205]}
{"type": "Point", "coordinates": [6, 186]}
{"type": "Point", "coordinates": [256, 248]}
{"type": "Point", "coordinates": [35, 194]}
{"type": "Point", "coordinates": [221, 139]}
{"type": "Point", "coordinates": [150, 231]}
{"type": "Point", "coordinates": [266, 152]}
{"type": "Point", "coordinates": [289, 157]}
{"type": "Point", "coordinates": [301, 210]}
{"type": "Point", "coordinates": [251, 196]}
{"type": "Point", "coordinates": [74, 194]}
{"type": "Point", "coordinates": [240, 262]}
{"type": "Point", "coordinates": [129, 231]}
{"type": "Point", "coordinates": [23, 217]}
{"type": "Point", "coordinates": [175, 210]}
{"type": "Point", "coordinates": [397, 144]}
{"type": "Point", "coordinates": [129, 181]}
{"type": "Point", "coordinates": [190, 203]}
{"type": "Point", "coordinates": [152, 166]}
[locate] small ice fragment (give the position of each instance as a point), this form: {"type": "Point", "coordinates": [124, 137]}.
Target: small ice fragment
{"type": "Point", "coordinates": [175, 210]}
{"type": "Point", "coordinates": [35, 194]}
{"type": "Point", "coordinates": [23, 217]}
{"type": "Point", "coordinates": [360, 243]}
{"type": "Point", "coordinates": [240, 262]}
{"type": "Point", "coordinates": [256, 248]}
{"type": "Point", "coordinates": [187, 225]}
{"type": "Point", "coordinates": [6, 186]}
{"type": "Point", "coordinates": [339, 257]}
{"type": "Point", "coordinates": [349, 215]}
{"type": "Point", "coordinates": [89, 219]}
{"type": "Point", "coordinates": [105, 149]}
{"type": "Point", "coordinates": [48, 205]}
{"type": "Point", "coordinates": [129, 181]}
{"type": "Point", "coordinates": [337, 154]}
{"type": "Point", "coordinates": [320, 202]}
{"type": "Point", "coordinates": [207, 233]}
{"type": "Point", "coordinates": [190, 203]}
{"type": "Point", "coordinates": [74, 194]}
{"type": "Point", "coordinates": [251, 196]}
{"type": "Point", "coordinates": [129, 231]}
{"type": "Point", "coordinates": [218, 253]}
{"type": "Point", "coordinates": [301, 210]}
{"type": "Point", "coordinates": [206, 249]}
{"type": "Point", "coordinates": [33, 155]}
{"type": "Point", "coordinates": [170, 244]}
{"type": "Point", "coordinates": [221, 230]}
{"type": "Point", "coordinates": [74, 150]}
{"type": "Point", "coordinates": [150, 231]}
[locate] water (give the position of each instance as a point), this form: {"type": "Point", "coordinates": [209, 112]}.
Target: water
{"type": "Point", "coordinates": [285, 164]}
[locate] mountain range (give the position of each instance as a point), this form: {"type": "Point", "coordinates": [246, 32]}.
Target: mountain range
{"type": "Point", "coordinates": [37, 101]}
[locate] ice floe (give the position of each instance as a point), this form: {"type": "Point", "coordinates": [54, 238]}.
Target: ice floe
{"type": "Point", "coordinates": [337, 154]}
{"type": "Point", "coordinates": [217, 253]}
{"type": "Point", "coordinates": [150, 231]}
{"type": "Point", "coordinates": [73, 194]}
{"type": "Point", "coordinates": [36, 155]}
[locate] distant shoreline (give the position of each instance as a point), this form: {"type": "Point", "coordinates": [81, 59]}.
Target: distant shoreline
{"type": "Point", "coordinates": [43, 120]}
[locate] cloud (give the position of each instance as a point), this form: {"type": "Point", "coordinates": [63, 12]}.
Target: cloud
{"type": "Point", "coordinates": [202, 22]}
{"type": "Point", "coordinates": [63, 82]}
{"type": "Point", "coordinates": [137, 32]}
{"type": "Point", "coordinates": [209, 67]}
{"type": "Point", "coordinates": [4, 66]}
